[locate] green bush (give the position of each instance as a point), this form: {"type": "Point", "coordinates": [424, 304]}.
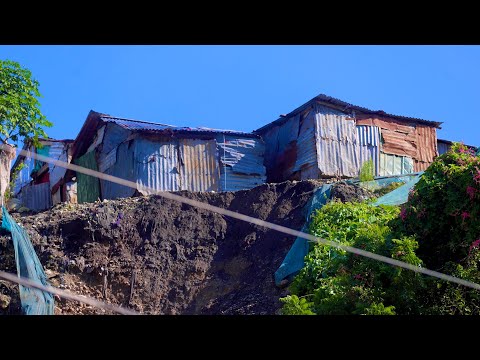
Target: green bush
{"type": "Point", "coordinates": [367, 171]}
{"type": "Point", "coordinates": [338, 282]}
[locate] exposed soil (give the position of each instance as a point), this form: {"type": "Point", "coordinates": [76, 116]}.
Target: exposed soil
{"type": "Point", "coordinates": [159, 256]}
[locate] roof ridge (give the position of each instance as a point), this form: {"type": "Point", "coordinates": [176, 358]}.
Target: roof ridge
{"type": "Point", "coordinates": [135, 120]}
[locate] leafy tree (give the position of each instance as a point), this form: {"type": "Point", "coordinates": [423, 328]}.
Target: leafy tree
{"type": "Point", "coordinates": [20, 115]}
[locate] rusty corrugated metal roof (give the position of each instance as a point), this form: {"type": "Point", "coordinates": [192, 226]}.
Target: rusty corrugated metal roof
{"type": "Point", "coordinates": [328, 100]}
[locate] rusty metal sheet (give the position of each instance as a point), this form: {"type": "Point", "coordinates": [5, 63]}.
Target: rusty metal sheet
{"type": "Point", "coordinates": [199, 165]}
{"type": "Point", "coordinates": [426, 143]}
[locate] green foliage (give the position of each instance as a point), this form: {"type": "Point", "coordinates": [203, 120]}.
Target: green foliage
{"type": "Point", "coordinates": [20, 114]}
{"type": "Point", "coordinates": [380, 309]}
{"type": "Point", "coordinates": [293, 305]}
{"type": "Point", "coordinates": [13, 177]}
{"type": "Point", "coordinates": [444, 208]}
{"type": "Point", "coordinates": [343, 283]}
{"type": "Point", "coordinates": [367, 171]}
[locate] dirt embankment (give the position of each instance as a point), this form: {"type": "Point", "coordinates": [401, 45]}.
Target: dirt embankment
{"type": "Point", "coordinates": [159, 256]}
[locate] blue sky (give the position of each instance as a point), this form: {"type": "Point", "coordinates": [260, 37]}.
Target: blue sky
{"type": "Point", "coordinates": [245, 87]}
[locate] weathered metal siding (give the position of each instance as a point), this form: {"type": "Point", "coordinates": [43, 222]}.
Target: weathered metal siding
{"type": "Point", "coordinates": [281, 149]}
{"type": "Point", "coordinates": [306, 149]}
{"type": "Point", "coordinates": [156, 164]}
{"type": "Point", "coordinates": [401, 138]}
{"type": "Point", "coordinates": [116, 158]}
{"type": "Point", "coordinates": [369, 146]}
{"type": "Point", "coordinates": [241, 162]}
{"type": "Point", "coordinates": [443, 147]}
{"type": "Point", "coordinates": [58, 151]}
{"type": "Point", "coordinates": [24, 178]}
{"type": "Point", "coordinates": [88, 187]}
{"type": "Point", "coordinates": [199, 165]}
{"type": "Point", "coordinates": [120, 164]}
{"type": "Point", "coordinates": [37, 197]}
{"type": "Point", "coordinates": [426, 147]}
{"type": "Point", "coordinates": [395, 165]}
{"type": "Point", "coordinates": [336, 141]}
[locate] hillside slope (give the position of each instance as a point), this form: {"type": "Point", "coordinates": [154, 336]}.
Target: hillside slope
{"type": "Point", "coordinates": [158, 256]}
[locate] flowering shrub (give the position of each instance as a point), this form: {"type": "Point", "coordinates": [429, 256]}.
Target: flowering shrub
{"type": "Point", "coordinates": [444, 209]}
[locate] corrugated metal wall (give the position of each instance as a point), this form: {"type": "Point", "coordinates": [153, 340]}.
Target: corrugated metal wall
{"type": "Point", "coordinates": [24, 178]}
{"type": "Point", "coordinates": [58, 151]}
{"type": "Point", "coordinates": [241, 162]}
{"type": "Point", "coordinates": [443, 147]}
{"type": "Point", "coordinates": [199, 165]}
{"type": "Point", "coordinates": [369, 146]}
{"type": "Point", "coordinates": [88, 187]}
{"type": "Point", "coordinates": [336, 141]}
{"type": "Point", "coordinates": [156, 164]}
{"type": "Point", "coordinates": [116, 159]}
{"type": "Point", "coordinates": [37, 197]}
{"type": "Point", "coordinates": [426, 147]}
{"type": "Point", "coordinates": [281, 149]}
{"type": "Point", "coordinates": [121, 164]}
{"type": "Point", "coordinates": [306, 154]}
{"type": "Point", "coordinates": [395, 165]}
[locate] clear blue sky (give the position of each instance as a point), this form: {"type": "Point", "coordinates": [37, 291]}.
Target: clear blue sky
{"type": "Point", "coordinates": [245, 87]}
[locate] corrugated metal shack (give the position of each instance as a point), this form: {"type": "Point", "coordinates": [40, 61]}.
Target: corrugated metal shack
{"type": "Point", "coordinates": [445, 145]}
{"type": "Point", "coordinates": [164, 157]}
{"type": "Point", "coordinates": [36, 180]}
{"type": "Point", "coordinates": [327, 137]}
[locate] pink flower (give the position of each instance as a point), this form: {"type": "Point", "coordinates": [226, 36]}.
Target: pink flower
{"type": "Point", "coordinates": [465, 215]}
{"type": "Point", "coordinates": [358, 277]}
{"type": "Point", "coordinates": [471, 192]}
{"type": "Point", "coordinates": [476, 177]}
{"type": "Point", "coordinates": [475, 244]}
{"type": "Point", "coordinates": [403, 214]}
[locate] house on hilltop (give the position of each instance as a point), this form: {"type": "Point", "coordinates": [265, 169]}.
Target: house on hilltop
{"type": "Point", "coordinates": [39, 185]}
{"type": "Point", "coordinates": [163, 157]}
{"type": "Point", "coordinates": [327, 137]}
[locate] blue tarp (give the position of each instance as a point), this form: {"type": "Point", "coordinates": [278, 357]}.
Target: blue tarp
{"type": "Point", "coordinates": [400, 195]}
{"type": "Point", "coordinates": [293, 261]}
{"type": "Point", "coordinates": [34, 301]}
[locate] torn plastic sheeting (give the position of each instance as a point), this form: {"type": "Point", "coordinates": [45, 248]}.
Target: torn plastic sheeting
{"type": "Point", "coordinates": [294, 260]}
{"type": "Point", "coordinates": [34, 301]}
